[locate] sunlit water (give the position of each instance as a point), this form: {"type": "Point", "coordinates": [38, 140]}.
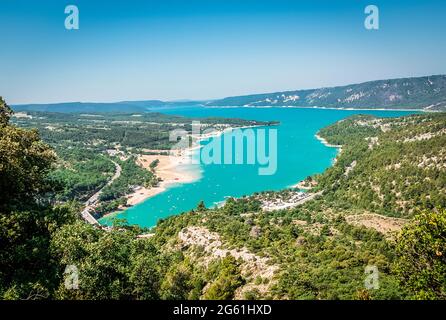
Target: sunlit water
{"type": "Point", "coordinates": [299, 154]}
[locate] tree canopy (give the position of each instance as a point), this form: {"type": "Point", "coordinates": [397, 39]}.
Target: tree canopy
{"type": "Point", "coordinates": [422, 256]}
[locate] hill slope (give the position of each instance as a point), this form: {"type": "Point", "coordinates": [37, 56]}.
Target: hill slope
{"type": "Point", "coordinates": [389, 166]}
{"type": "Point", "coordinates": [387, 171]}
{"type": "Point", "coordinates": [427, 93]}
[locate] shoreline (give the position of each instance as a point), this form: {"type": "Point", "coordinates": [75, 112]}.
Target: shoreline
{"type": "Point", "coordinates": [320, 108]}
{"type": "Point", "coordinates": [142, 194]}
{"type": "Point", "coordinates": [329, 145]}
{"type": "Point", "coordinates": [326, 143]}
{"type": "Point", "coordinates": [300, 184]}
{"type": "Point", "coordinates": [173, 169]}
{"type": "Point", "coordinates": [170, 170]}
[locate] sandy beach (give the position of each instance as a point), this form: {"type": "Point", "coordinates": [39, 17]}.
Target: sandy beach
{"type": "Point", "coordinates": [143, 194]}
{"type": "Point", "coordinates": [172, 168]}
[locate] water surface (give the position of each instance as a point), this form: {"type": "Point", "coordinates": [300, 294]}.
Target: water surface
{"type": "Point", "coordinates": [300, 154]}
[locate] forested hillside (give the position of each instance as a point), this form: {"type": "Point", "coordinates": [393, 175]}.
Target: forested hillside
{"type": "Point", "coordinates": [101, 131]}
{"type": "Point", "coordinates": [388, 166]}
{"type": "Point", "coordinates": [86, 144]}
{"type": "Point", "coordinates": [390, 174]}
{"type": "Point", "coordinates": [323, 248]}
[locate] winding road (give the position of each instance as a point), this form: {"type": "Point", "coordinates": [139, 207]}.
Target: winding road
{"type": "Point", "coordinates": [93, 200]}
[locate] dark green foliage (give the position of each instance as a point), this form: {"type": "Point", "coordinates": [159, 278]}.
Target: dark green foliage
{"type": "Point", "coordinates": [84, 143]}
{"type": "Point", "coordinates": [421, 249]}
{"type": "Point", "coordinates": [101, 131]}
{"type": "Point", "coordinates": [5, 113]}
{"type": "Point", "coordinates": [132, 176]}
{"type": "Point", "coordinates": [111, 265]}
{"type": "Point", "coordinates": [319, 255]}
{"type": "Point", "coordinates": [27, 221]}
{"type": "Point", "coordinates": [81, 173]}
{"type": "Point", "coordinates": [397, 170]}
{"type": "Point", "coordinates": [227, 279]}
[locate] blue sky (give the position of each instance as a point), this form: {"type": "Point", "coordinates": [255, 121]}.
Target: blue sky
{"type": "Point", "coordinates": [202, 49]}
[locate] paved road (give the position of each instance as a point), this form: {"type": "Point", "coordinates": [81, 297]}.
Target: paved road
{"type": "Point", "coordinates": [91, 203]}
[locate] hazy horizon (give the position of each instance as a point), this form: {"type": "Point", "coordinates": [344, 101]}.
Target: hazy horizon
{"type": "Point", "coordinates": [210, 99]}
{"type": "Point", "coordinates": [205, 50]}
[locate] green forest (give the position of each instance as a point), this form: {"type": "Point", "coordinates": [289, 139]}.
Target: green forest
{"type": "Point", "coordinates": [88, 144]}
{"type": "Point", "coordinates": [389, 171]}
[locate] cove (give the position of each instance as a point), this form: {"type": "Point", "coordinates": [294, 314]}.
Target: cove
{"type": "Point", "coordinates": [299, 154]}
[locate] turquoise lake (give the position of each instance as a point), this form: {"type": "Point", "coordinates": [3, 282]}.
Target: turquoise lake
{"type": "Point", "coordinates": [299, 154]}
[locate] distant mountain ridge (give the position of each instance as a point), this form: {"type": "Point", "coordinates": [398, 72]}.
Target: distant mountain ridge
{"type": "Point", "coordinates": [427, 93]}
{"type": "Point", "coordinates": [67, 107]}
{"type": "Point", "coordinates": [92, 107]}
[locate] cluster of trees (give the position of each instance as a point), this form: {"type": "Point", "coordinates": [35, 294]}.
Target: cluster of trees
{"type": "Point", "coordinates": [132, 175]}
{"type": "Point", "coordinates": [102, 131]}
{"type": "Point", "coordinates": [319, 254]}
{"type": "Point", "coordinates": [27, 222]}
{"type": "Point", "coordinates": [324, 257]}
{"type": "Point", "coordinates": [399, 173]}
{"type": "Point", "coordinates": [422, 255]}
{"type": "Point", "coordinates": [80, 173]}
{"type": "Point", "coordinates": [81, 141]}
{"type": "Point", "coordinates": [42, 244]}
{"type": "Point", "coordinates": [321, 259]}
